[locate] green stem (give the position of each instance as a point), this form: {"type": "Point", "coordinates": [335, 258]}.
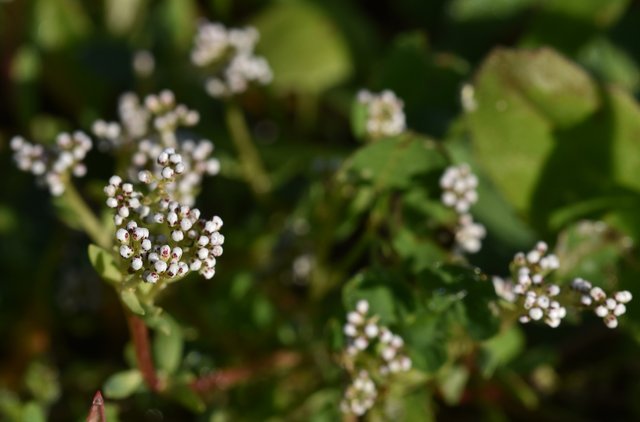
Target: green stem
{"type": "Point", "coordinates": [250, 161]}
{"type": "Point", "coordinates": [86, 217]}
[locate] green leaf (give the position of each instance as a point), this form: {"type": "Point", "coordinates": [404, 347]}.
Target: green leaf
{"type": "Point", "coordinates": [42, 381]}
{"type": "Point", "coordinates": [500, 350]}
{"type": "Point", "coordinates": [178, 20]}
{"type": "Point", "coordinates": [384, 292]}
{"type": "Point", "coordinates": [154, 317]}
{"type": "Point", "coordinates": [420, 252]}
{"type": "Point", "coordinates": [452, 383]}
{"type": "Point", "coordinates": [506, 229]}
{"type": "Point", "coordinates": [122, 384]}
{"type": "Point", "coordinates": [59, 22]}
{"type": "Point", "coordinates": [287, 31]}
{"type": "Point", "coordinates": [121, 15]}
{"type": "Point", "coordinates": [537, 90]}
{"type": "Point", "coordinates": [591, 250]}
{"type": "Point", "coordinates": [465, 295]}
{"type": "Point", "coordinates": [467, 10]}
{"type": "Point", "coordinates": [130, 299]}
{"type": "Point", "coordinates": [33, 412]}
{"type": "Point", "coordinates": [393, 163]}
{"type": "Point", "coordinates": [428, 82]}
{"type": "Point", "coordinates": [183, 394]}
{"type": "Point", "coordinates": [610, 63]}
{"type": "Point", "coordinates": [104, 264]}
{"type": "Point", "coordinates": [426, 340]}
{"type": "Point", "coordinates": [359, 116]}
{"type": "Point", "coordinates": [167, 347]}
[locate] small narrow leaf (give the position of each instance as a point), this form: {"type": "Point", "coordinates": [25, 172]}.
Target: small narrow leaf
{"type": "Point", "coordinates": [168, 346]}
{"type": "Point", "coordinates": [187, 397]}
{"type": "Point", "coordinates": [130, 299]}
{"type": "Point", "coordinates": [104, 264]}
{"type": "Point", "coordinates": [122, 384]}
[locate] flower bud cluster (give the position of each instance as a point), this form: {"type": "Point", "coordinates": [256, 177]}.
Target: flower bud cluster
{"type": "Point", "coordinates": [157, 114]}
{"type": "Point", "coordinates": [607, 308]}
{"type": "Point", "coordinates": [385, 114]}
{"type": "Point", "coordinates": [375, 347]}
{"type": "Point", "coordinates": [535, 295]}
{"type": "Point", "coordinates": [166, 240]}
{"type": "Point", "coordinates": [146, 129]}
{"type": "Point", "coordinates": [196, 162]}
{"type": "Point", "coordinates": [459, 185]}
{"type": "Point", "coordinates": [229, 55]}
{"type": "Point", "coordinates": [360, 395]}
{"type": "Point", "coordinates": [469, 234]}
{"type": "Point", "coordinates": [53, 165]}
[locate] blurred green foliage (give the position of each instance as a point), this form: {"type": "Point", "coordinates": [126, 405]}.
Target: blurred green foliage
{"type": "Point", "coordinates": [552, 129]}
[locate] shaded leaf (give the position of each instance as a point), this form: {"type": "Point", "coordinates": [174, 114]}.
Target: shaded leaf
{"type": "Point", "coordinates": [393, 163]}
{"type": "Point", "coordinates": [104, 264]}
{"type": "Point", "coordinates": [167, 347]}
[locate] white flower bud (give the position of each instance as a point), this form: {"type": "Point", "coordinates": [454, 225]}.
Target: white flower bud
{"type": "Point", "coordinates": [176, 253]}
{"type": "Point", "coordinates": [388, 353]}
{"type": "Point", "coordinates": [146, 245]}
{"type": "Point", "coordinates": [350, 330]}
{"type": "Point", "coordinates": [601, 311]}
{"type": "Point", "coordinates": [126, 251]}
{"type": "Point", "coordinates": [361, 343]}
{"type": "Point", "coordinates": [165, 251]}
{"type": "Point", "coordinates": [136, 263]}
{"type": "Point", "coordinates": [623, 296]}
{"type": "Point", "coordinates": [536, 314]}
{"type": "Point", "coordinates": [151, 277]}
{"type": "Point", "coordinates": [177, 235]}
{"type": "Point", "coordinates": [196, 264]}
{"type": "Point", "coordinates": [397, 342]}
{"type": "Point", "coordinates": [163, 158]}
{"type": "Point", "coordinates": [362, 306]}
{"type": "Point", "coordinates": [611, 321]}
{"type": "Point", "coordinates": [160, 266]}
{"type": "Point", "coordinates": [173, 269]}
{"type": "Point", "coordinates": [185, 224]}
{"type": "Point", "coordinates": [122, 235]}
{"type": "Point", "coordinates": [371, 330]}
{"type": "Point", "coordinates": [598, 294]}
{"type": "Point", "coordinates": [145, 177]}
{"type": "Point", "coordinates": [203, 253]}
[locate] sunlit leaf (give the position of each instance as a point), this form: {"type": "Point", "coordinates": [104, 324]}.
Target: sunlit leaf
{"type": "Point", "coordinates": [122, 384]}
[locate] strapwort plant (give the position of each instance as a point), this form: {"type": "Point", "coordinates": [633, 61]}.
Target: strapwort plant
{"type": "Point", "coordinates": [416, 317]}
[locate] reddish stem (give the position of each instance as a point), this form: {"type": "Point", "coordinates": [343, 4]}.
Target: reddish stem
{"type": "Point", "coordinates": [218, 380]}
{"type": "Point", "coordinates": [96, 414]}
{"type": "Point", "coordinates": [140, 337]}
{"type": "Point", "coordinates": [226, 378]}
